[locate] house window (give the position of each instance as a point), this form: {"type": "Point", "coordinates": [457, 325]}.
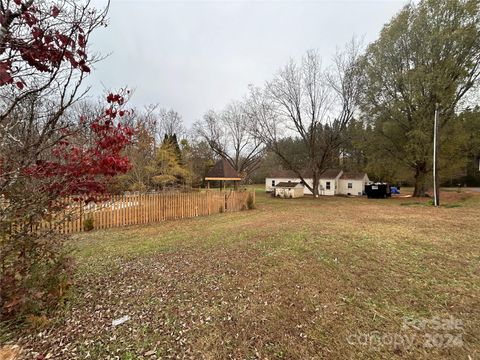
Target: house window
{"type": "Point", "coordinates": [350, 185]}
{"type": "Point", "coordinates": [273, 182]}
{"type": "Point", "coordinates": [327, 185]}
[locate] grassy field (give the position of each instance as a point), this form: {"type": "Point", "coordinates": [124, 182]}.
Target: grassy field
{"type": "Point", "coordinates": [328, 278]}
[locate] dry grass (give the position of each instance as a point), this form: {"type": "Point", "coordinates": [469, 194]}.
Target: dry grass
{"type": "Point", "coordinates": [289, 280]}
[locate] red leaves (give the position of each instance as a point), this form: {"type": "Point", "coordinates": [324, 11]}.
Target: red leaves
{"type": "Point", "coordinates": [83, 169]}
{"type": "Point", "coordinates": [46, 52]}
{"type": "Point", "coordinates": [81, 53]}
{"type": "Point", "coordinates": [51, 42]}
{"type": "Point", "coordinates": [38, 59]}
{"type": "Point", "coordinates": [5, 76]}
{"type": "Point", "coordinates": [82, 41]}
{"type": "Point", "coordinates": [115, 98]}
{"type": "Point", "coordinates": [37, 33]}
{"type": "Point", "coordinates": [20, 85]}
{"type": "Point", "coordinates": [55, 11]}
{"type": "Point", "coordinates": [85, 68]}
{"type": "Point", "coordinates": [48, 39]}
{"type": "Point", "coordinates": [64, 40]}
{"type": "Point", "coordinates": [29, 18]}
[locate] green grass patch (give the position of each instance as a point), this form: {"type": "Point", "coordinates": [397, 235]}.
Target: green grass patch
{"type": "Point", "coordinates": [291, 279]}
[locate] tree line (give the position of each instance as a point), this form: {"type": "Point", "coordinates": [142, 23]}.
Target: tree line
{"type": "Point", "coordinates": [370, 108]}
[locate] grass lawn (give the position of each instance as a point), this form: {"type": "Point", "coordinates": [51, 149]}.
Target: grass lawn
{"type": "Point", "coordinates": [327, 278]}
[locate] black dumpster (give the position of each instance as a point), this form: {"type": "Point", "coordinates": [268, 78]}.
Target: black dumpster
{"type": "Point", "coordinates": [378, 190]}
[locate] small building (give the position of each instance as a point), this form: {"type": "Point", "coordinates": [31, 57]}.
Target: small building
{"type": "Point", "coordinates": [223, 172]}
{"type": "Point", "coordinates": [288, 190]}
{"type": "Point", "coordinates": [279, 176]}
{"type": "Point", "coordinates": [331, 182]}
{"type": "Point", "coordinates": [353, 183]}
{"type": "Point", "coordinates": [328, 182]}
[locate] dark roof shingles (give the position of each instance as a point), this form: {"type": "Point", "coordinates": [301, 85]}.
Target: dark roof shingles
{"type": "Point", "coordinates": [287, 184]}
{"type": "Point", "coordinates": [353, 176]}
{"type": "Point", "coordinates": [222, 169]}
{"type": "Point", "coordinates": [306, 174]}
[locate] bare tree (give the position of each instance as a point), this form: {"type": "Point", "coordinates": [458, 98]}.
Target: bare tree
{"type": "Point", "coordinates": [311, 103]}
{"type": "Point", "coordinates": [229, 136]}
{"type": "Point", "coordinates": [170, 123]}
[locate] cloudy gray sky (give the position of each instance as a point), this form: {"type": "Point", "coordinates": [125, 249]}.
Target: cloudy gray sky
{"type": "Point", "coordinates": [198, 55]}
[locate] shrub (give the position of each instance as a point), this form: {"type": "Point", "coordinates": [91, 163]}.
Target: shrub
{"type": "Point", "coordinates": [88, 224]}
{"type": "Point", "coordinates": [250, 202]}
{"type": "Point", "coordinates": [36, 274]}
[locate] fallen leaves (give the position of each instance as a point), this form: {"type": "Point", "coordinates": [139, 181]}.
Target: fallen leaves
{"type": "Point", "coordinates": [204, 288]}
{"type": "Point", "coordinates": [10, 352]}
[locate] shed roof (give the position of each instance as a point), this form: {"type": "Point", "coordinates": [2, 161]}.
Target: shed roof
{"type": "Point", "coordinates": [222, 170]}
{"type": "Point", "coordinates": [288, 185]}
{"type": "Point", "coordinates": [306, 174]}
{"type": "Point", "coordinates": [353, 176]}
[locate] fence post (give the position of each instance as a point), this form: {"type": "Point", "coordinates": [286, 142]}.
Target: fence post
{"type": "Point", "coordinates": [207, 203]}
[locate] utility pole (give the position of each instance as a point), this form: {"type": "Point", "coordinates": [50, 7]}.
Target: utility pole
{"type": "Point", "coordinates": [436, 135]}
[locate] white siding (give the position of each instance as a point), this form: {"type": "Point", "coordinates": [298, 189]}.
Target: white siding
{"type": "Point", "coordinates": [269, 187]}
{"type": "Point", "coordinates": [268, 182]}
{"type": "Point", "coordinates": [334, 185]}
{"type": "Point", "coordinates": [358, 186]}
{"type": "Point", "coordinates": [298, 192]}
{"type": "Point", "coordinates": [289, 192]}
{"type": "Point", "coordinates": [323, 187]}
{"type": "Point", "coordinates": [306, 191]}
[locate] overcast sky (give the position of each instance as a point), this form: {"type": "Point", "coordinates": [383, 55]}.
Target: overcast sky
{"type": "Point", "coordinates": [198, 55]}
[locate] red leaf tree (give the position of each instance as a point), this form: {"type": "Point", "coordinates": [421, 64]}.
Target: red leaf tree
{"type": "Point", "coordinates": [82, 163]}
{"type": "Point", "coordinates": [43, 61]}
{"type": "Point", "coordinates": [47, 149]}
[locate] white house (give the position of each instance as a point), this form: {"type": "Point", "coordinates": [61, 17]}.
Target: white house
{"type": "Point", "coordinates": [332, 181]}
{"type": "Point", "coordinates": [288, 189]}
{"type": "Point", "coordinates": [353, 183]}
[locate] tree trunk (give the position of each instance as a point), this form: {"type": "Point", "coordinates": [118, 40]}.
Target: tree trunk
{"type": "Point", "coordinates": [420, 180]}
{"type": "Point", "coordinates": [315, 181]}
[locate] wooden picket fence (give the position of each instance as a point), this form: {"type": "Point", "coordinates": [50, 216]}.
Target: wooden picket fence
{"type": "Point", "coordinates": [122, 210]}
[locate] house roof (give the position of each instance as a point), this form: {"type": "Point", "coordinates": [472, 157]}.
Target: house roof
{"type": "Point", "coordinates": [306, 174]}
{"type": "Point", "coordinates": [353, 176]}
{"type": "Point", "coordinates": [287, 184]}
{"type": "Point", "coordinates": [222, 170]}
{"type": "Point", "coordinates": [285, 174]}
{"type": "Point", "coordinates": [330, 173]}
